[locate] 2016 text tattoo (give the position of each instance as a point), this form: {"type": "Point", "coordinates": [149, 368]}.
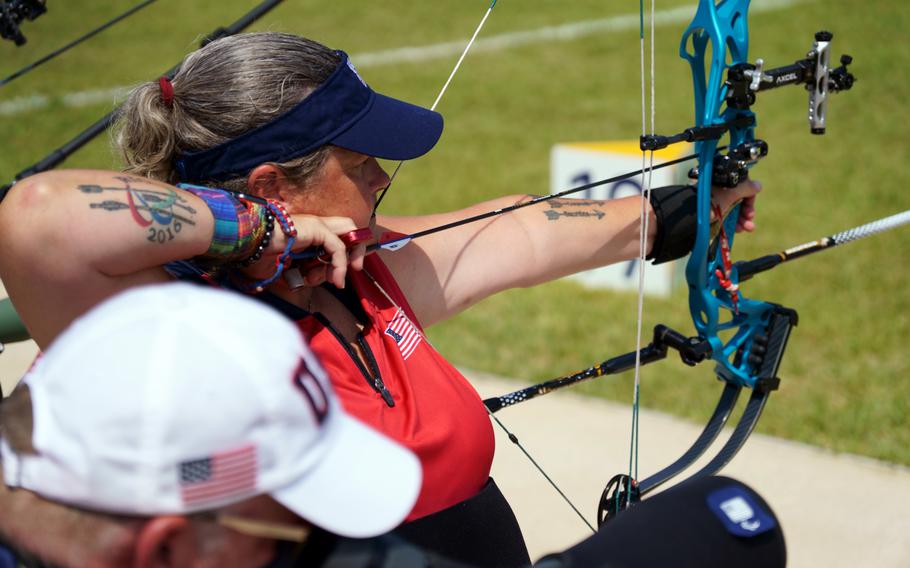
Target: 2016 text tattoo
{"type": "Point", "coordinates": [161, 212]}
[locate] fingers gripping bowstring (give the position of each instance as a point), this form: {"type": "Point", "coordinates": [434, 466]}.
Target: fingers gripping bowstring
{"type": "Point", "coordinates": [441, 93]}
{"type": "Point", "coordinates": [647, 166]}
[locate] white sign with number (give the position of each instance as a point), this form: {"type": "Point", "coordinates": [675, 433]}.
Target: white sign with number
{"type": "Point", "coordinates": [576, 164]}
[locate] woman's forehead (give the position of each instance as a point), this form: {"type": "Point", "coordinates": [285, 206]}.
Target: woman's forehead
{"type": "Point", "coordinates": [345, 155]}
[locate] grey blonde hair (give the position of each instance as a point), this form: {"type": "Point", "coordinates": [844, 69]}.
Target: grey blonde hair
{"type": "Point", "coordinates": [53, 531]}
{"type": "Point", "coordinates": [222, 90]}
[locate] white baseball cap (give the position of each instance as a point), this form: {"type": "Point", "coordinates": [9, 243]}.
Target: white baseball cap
{"type": "Point", "coordinates": [177, 398]}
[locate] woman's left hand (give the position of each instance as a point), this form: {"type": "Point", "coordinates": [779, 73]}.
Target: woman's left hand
{"type": "Point", "coordinates": [744, 195]}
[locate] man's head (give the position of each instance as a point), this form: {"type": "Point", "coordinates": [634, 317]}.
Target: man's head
{"type": "Point", "coordinates": [201, 421]}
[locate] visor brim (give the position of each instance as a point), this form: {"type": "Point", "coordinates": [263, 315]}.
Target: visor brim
{"type": "Point", "coordinates": [393, 130]}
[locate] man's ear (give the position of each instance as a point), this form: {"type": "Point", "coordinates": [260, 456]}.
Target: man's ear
{"type": "Point", "coordinates": [165, 542]}
{"type": "Point", "coordinates": [269, 181]}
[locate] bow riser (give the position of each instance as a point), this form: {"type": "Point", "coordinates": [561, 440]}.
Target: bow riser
{"type": "Point", "coordinates": [722, 30]}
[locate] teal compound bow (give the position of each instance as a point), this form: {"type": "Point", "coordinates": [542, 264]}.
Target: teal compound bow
{"type": "Point", "coordinates": [746, 338]}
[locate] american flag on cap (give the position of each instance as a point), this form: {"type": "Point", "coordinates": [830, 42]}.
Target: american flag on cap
{"type": "Point", "coordinates": [405, 334]}
{"type": "Point", "coordinates": [219, 476]}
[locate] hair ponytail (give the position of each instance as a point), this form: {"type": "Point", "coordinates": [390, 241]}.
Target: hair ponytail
{"type": "Point", "coordinates": [145, 133]}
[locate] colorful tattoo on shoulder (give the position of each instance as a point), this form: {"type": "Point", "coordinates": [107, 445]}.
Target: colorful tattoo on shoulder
{"type": "Point", "coordinates": [560, 208]}
{"type": "Point", "coordinates": [161, 212]}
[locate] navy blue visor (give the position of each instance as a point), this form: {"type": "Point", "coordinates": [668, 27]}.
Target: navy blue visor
{"type": "Point", "coordinates": [343, 111]}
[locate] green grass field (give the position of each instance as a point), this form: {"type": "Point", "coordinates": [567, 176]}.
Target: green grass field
{"type": "Point", "coordinates": [845, 377]}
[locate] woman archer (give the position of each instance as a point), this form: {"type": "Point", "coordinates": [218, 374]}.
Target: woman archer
{"type": "Point", "coordinates": [274, 141]}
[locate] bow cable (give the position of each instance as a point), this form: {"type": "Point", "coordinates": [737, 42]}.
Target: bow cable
{"type": "Point", "coordinates": [647, 166]}
{"type": "Point", "coordinates": [401, 241]}
{"type": "Point", "coordinates": [512, 437]}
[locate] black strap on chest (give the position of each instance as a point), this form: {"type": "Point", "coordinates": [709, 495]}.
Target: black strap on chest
{"type": "Point", "coordinates": [350, 300]}
{"type": "Point", "coordinates": [347, 297]}
{"type": "Point", "coordinates": [288, 309]}
{"type": "Point", "coordinates": [369, 368]}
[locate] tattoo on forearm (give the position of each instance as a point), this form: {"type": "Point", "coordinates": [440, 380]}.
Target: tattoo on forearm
{"type": "Point", "coordinates": [559, 203]}
{"type": "Point", "coordinates": [589, 211]}
{"type": "Point", "coordinates": [160, 212]}
{"type": "Point", "coordinates": [555, 215]}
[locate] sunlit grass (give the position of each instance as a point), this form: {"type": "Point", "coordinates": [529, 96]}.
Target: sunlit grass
{"type": "Point", "coordinates": [845, 380]}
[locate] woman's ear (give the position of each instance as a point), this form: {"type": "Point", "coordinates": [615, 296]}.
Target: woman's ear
{"type": "Point", "coordinates": [269, 182]}
{"type": "Point", "coordinates": [165, 542]}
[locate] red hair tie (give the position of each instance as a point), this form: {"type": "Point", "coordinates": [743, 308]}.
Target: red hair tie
{"type": "Point", "coordinates": [167, 91]}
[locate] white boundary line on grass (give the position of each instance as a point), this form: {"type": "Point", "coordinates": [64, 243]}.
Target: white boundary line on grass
{"type": "Point", "coordinates": [565, 32]}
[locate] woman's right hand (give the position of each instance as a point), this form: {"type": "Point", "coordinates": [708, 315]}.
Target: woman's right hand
{"type": "Point", "coordinates": [312, 231]}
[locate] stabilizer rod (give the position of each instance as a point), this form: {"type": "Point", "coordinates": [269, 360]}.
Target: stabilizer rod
{"type": "Point", "coordinates": [691, 349]}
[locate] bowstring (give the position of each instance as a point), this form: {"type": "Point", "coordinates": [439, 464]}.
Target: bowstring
{"type": "Point", "coordinates": [647, 166]}
{"type": "Point", "coordinates": [514, 439]}
{"type": "Point", "coordinates": [442, 91]}
{"type": "Point", "coordinates": [511, 436]}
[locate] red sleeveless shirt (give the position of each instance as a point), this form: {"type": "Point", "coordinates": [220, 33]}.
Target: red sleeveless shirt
{"type": "Point", "coordinates": [436, 412]}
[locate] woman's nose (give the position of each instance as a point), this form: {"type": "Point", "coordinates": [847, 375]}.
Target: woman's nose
{"type": "Point", "coordinates": [379, 179]}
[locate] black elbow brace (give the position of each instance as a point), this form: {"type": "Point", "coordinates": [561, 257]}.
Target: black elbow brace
{"type": "Point", "coordinates": [675, 208]}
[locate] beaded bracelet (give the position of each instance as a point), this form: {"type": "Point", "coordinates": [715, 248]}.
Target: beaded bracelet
{"type": "Point", "coordinates": [242, 228]}
{"type": "Point", "coordinates": [280, 214]}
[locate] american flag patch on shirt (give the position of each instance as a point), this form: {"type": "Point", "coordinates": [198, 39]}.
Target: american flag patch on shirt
{"type": "Point", "coordinates": [219, 476]}
{"type": "Point", "coordinates": [405, 334]}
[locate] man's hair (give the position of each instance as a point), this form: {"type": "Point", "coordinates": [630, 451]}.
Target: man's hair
{"type": "Point", "coordinates": [16, 422]}
{"type": "Point", "coordinates": [52, 531]}
{"type": "Point", "coordinates": [56, 532]}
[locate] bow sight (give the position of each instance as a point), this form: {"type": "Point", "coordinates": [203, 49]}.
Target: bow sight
{"type": "Point", "coordinates": [744, 80]}
{"type": "Point", "coordinates": [13, 12]}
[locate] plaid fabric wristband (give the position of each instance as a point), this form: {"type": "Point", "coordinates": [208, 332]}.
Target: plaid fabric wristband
{"type": "Point", "coordinates": [240, 225]}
